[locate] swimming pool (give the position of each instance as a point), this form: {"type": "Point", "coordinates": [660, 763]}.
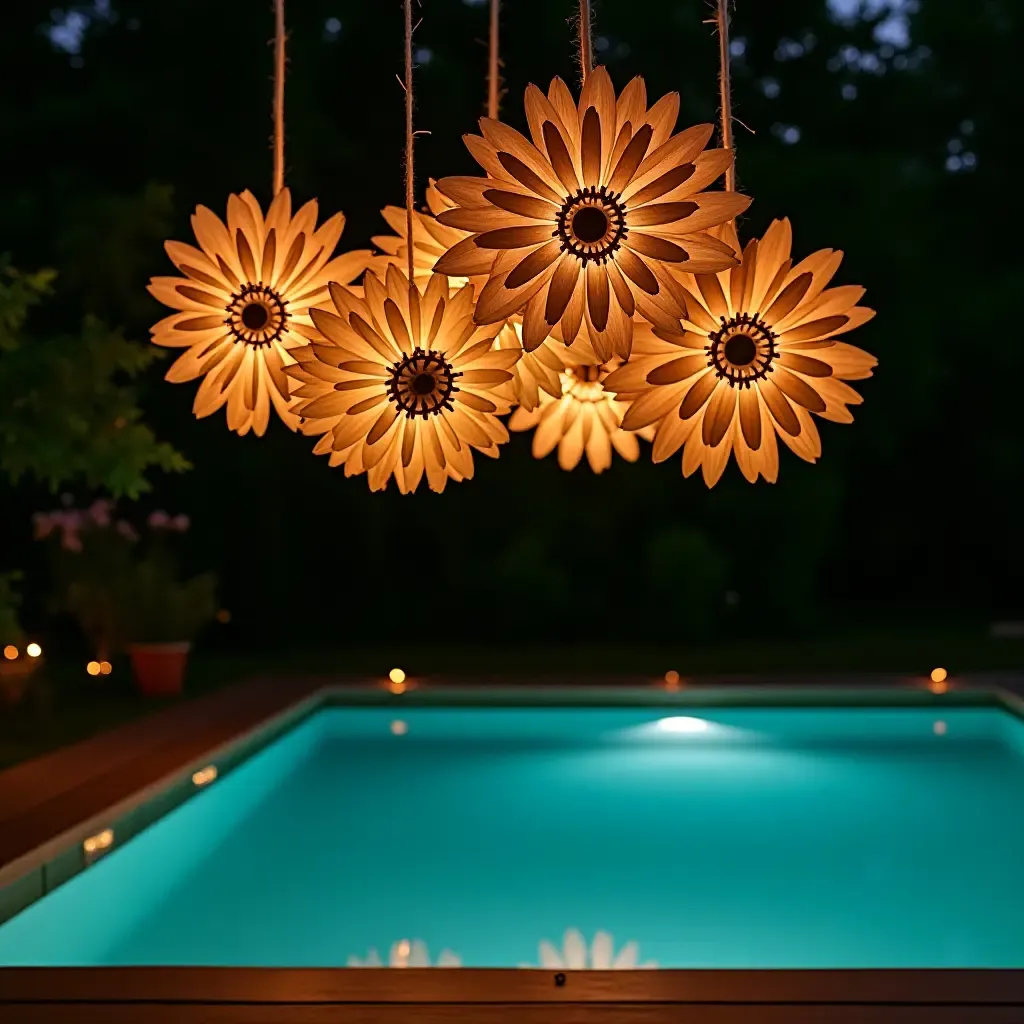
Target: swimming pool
{"type": "Point", "coordinates": [571, 837]}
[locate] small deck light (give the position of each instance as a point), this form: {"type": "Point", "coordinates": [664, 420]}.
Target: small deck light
{"type": "Point", "coordinates": [33, 650]}
{"type": "Point", "coordinates": [93, 668]}
{"type": "Point", "coordinates": [10, 652]}
{"type": "Point", "coordinates": [672, 680]}
{"type": "Point", "coordinates": [396, 679]}
{"type": "Point", "coordinates": [99, 842]}
{"type": "Point", "coordinates": [204, 776]}
{"type": "Point", "coordinates": [106, 668]}
{"type": "Point", "coordinates": [939, 677]}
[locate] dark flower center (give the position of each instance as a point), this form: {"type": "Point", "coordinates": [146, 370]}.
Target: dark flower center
{"type": "Point", "coordinates": [590, 224]}
{"type": "Point", "coordinates": [423, 383]}
{"type": "Point", "coordinates": [256, 315]}
{"type": "Point", "coordinates": [742, 350]}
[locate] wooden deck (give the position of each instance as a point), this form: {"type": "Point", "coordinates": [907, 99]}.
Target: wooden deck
{"type": "Point", "coordinates": [43, 798]}
{"type": "Point", "coordinates": [471, 996]}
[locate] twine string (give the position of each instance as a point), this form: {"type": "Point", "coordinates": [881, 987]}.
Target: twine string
{"type": "Point", "coordinates": [279, 62]}
{"type": "Point", "coordinates": [586, 40]}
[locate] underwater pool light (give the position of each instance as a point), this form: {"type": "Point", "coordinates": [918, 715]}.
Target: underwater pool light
{"type": "Point", "coordinates": [682, 724]}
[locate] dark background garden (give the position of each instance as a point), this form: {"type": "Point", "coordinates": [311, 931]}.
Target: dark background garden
{"type": "Point", "coordinates": [883, 129]}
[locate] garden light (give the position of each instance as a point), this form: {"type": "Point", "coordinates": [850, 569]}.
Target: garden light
{"type": "Point", "coordinates": [33, 650]}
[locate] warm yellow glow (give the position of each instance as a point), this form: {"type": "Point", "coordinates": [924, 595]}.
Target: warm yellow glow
{"type": "Point", "coordinates": [583, 228]}
{"type": "Point", "coordinates": [939, 675]}
{"type": "Point", "coordinates": [10, 652]}
{"type": "Point", "coordinates": [672, 679]}
{"type": "Point", "coordinates": [33, 650]}
{"type": "Point", "coordinates": [106, 668]}
{"type": "Point", "coordinates": [399, 728]}
{"type": "Point", "coordinates": [223, 616]}
{"type": "Point", "coordinates": [757, 355]}
{"type": "Point", "coordinates": [243, 303]}
{"type": "Point", "coordinates": [402, 384]}
{"type": "Point", "coordinates": [204, 776]}
{"type": "Point", "coordinates": [536, 371]}
{"type": "Point", "coordinates": [93, 668]}
{"type": "Point", "coordinates": [585, 420]}
{"type": "Point", "coordinates": [101, 841]}
{"type": "Point", "coordinates": [939, 728]}
{"type": "Point", "coordinates": [396, 675]}
{"type": "Point", "coordinates": [397, 687]}
{"type": "Point", "coordinates": [939, 687]}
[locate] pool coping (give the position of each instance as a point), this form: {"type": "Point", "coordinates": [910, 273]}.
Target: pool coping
{"type": "Point", "coordinates": [35, 989]}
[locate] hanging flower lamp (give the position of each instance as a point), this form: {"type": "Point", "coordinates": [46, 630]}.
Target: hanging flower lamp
{"type": "Point", "coordinates": [756, 354]}
{"type": "Point", "coordinates": [756, 357]}
{"type": "Point", "coordinates": [403, 383]}
{"type": "Point", "coordinates": [585, 418]}
{"type": "Point", "coordinates": [585, 223]}
{"type": "Point", "coordinates": [244, 303]}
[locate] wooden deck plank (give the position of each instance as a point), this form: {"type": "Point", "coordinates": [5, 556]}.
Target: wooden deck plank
{"type": "Point", "coordinates": [486, 986]}
{"type": "Point", "coordinates": [51, 794]}
{"type": "Point", "coordinates": [439, 1013]}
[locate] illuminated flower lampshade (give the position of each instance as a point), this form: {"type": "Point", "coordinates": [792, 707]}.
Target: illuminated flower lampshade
{"type": "Point", "coordinates": [601, 956]}
{"type": "Point", "coordinates": [244, 303]}
{"type": "Point", "coordinates": [757, 356]}
{"type": "Point", "coordinates": [536, 371]}
{"type": "Point", "coordinates": [586, 418]}
{"type": "Point", "coordinates": [587, 222]}
{"type": "Point", "coordinates": [402, 383]}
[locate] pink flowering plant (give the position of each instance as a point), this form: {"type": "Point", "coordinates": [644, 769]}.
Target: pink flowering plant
{"type": "Point", "coordinates": [122, 582]}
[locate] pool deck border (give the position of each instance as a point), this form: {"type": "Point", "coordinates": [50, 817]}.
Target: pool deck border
{"type": "Point", "coordinates": [309, 996]}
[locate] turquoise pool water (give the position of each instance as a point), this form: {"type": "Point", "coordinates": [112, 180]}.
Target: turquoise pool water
{"type": "Point", "coordinates": [505, 837]}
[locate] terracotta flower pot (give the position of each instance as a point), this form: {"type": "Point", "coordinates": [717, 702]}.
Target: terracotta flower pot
{"type": "Point", "coordinates": [159, 669]}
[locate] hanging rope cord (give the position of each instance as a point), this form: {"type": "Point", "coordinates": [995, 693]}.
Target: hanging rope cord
{"type": "Point", "coordinates": [493, 63]}
{"type": "Point", "coordinates": [725, 92]}
{"type": "Point", "coordinates": [279, 63]}
{"type": "Point", "coordinates": [586, 34]}
{"type": "Point", "coordinates": [410, 137]}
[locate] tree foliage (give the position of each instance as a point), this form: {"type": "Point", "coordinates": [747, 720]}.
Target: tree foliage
{"type": "Point", "coordinates": [70, 412]}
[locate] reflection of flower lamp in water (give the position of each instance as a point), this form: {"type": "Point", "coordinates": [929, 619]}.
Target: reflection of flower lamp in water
{"type": "Point", "coordinates": [407, 954]}
{"type": "Point", "coordinates": [601, 956]}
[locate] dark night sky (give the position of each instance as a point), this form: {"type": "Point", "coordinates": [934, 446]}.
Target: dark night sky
{"type": "Point", "coordinates": [882, 128]}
